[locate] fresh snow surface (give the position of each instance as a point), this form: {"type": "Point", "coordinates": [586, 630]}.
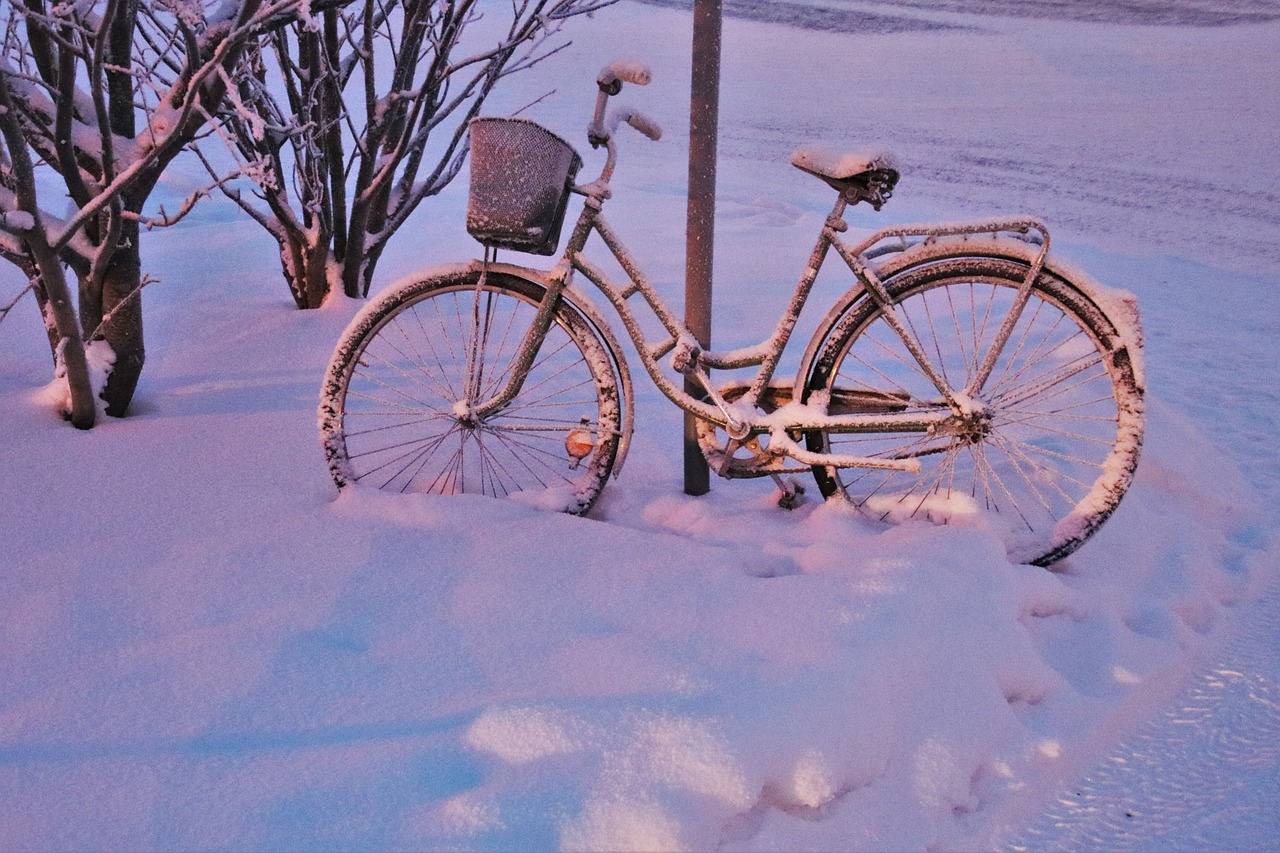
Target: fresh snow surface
{"type": "Point", "coordinates": [203, 646]}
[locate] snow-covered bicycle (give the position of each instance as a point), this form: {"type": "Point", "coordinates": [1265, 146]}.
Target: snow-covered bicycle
{"type": "Point", "coordinates": [965, 373]}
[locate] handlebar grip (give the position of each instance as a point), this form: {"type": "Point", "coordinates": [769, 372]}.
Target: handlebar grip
{"type": "Point", "coordinates": [639, 121]}
{"type": "Point", "coordinates": [612, 75]}
{"type": "Point", "coordinates": [645, 125]}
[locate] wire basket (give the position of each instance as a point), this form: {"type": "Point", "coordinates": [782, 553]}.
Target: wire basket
{"type": "Point", "coordinates": [521, 174]}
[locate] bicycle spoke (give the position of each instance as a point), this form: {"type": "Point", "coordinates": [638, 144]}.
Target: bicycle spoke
{"type": "Point", "coordinates": [500, 356]}
{"type": "Point", "coordinates": [410, 403]}
{"type": "Point", "coordinates": [414, 374]}
{"type": "Point", "coordinates": [450, 476]}
{"type": "Point", "coordinates": [539, 455]}
{"type": "Point", "coordinates": [357, 433]}
{"type": "Point", "coordinates": [910, 325]}
{"type": "Point", "coordinates": [1036, 423]}
{"type": "Point", "coordinates": [429, 340]}
{"type": "Point", "coordinates": [1065, 411]}
{"type": "Point", "coordinates": [1055, 384]}
{"type": "Point", "coordinates": [544, 356]}
{"type": "Point", "coordinates": [1011, 374]}
{"type": "Point", "coordinates": [498, 474]}
{"type": "Point", "coordinates": [930, 486]}
{"type": "Point", "coordinates": [853, 379]}
{"type": "Point", "coordinates": [1050, 375]}
{"type": "Point", "coordinates": [418, 449]}
{"type": "Point", "coordinates": [414, 380]}
{"type": "Point", "coordinates": [1013, 453]}
{"type": "Point", "coordinates": [1071, 459]}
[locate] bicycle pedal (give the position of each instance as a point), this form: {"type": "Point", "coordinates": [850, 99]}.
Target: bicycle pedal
{"type": "Point", "coordinates": [792, 492]}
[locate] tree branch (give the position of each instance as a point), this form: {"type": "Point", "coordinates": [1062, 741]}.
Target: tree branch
{"type": "Point", "coordinates": [8, 306]}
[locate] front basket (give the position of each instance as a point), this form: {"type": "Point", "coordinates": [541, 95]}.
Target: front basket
{"type": "Point", "coordinates": [521, 174]}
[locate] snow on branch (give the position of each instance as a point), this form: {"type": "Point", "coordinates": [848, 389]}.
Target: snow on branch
{"type": "Point", "coordinates": [106, 93]}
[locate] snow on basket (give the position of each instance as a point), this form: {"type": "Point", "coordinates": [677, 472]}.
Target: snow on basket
{"type": "Point", "coordinates": [521, 174]}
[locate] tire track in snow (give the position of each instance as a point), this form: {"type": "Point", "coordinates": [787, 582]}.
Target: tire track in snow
{"type": "Point", "coordinates": [1236, 220]}
{"type": "Point", "coordinates": [1201, 776]}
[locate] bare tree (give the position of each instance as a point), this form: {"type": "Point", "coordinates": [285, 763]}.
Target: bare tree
{"type": "Point", "coordinates": [104, 94]}
{"type": "Point", "coordinates": [347, 121]}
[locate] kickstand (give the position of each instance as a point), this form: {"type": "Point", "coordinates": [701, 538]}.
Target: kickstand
{"type": "Point", "coordinates": [792, 491]}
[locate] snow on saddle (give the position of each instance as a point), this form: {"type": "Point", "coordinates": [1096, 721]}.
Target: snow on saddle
{"type": "Point", "coordinates": [868, 174]}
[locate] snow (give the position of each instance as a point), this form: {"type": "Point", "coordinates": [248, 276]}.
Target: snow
{"type": "Point", "coordinates": [203, 646]}
{"type": "Point", "coordinates": [18, 220]}
{"type": "Point", "coordinates": [630, 70]}
{"type": "Point", "coordinates": [843, 164]}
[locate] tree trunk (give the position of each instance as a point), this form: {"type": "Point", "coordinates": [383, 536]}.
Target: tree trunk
{"type": "Point", "coordinates": [121, 300]}
{"type": "Point", "coordinates": [353, 284]}
{"type": "Point", "coordinates": [121, 297]}
{"type": "Point", "coordinates": [368, 264]}
{"type": "Point", "coordinates": [46, 319]}
{"type": "Point", "coordinates": [306, 268]}
{"type": "Point", "coordinates": [83, 411]}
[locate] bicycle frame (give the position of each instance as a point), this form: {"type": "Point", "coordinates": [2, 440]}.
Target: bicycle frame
{"type": "Point", "coordinates": [741, 418]}
{"type": "Point", "coordinates": [979, 375]}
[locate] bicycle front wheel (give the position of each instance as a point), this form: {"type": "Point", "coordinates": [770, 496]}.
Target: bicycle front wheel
{"type": "Point", "coordinates": [396, 409]}
{"type": "Point", "coordinates": [1054, 436]}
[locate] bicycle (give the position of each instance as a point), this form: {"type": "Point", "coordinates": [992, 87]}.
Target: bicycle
{"type": "Point", "coordinates": [964, 372]}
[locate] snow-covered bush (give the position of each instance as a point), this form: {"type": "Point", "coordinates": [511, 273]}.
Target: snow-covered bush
{"type": "Point", "coordinates": [105, 94]}
{"type": "Point", "coordinates": [346, 120]}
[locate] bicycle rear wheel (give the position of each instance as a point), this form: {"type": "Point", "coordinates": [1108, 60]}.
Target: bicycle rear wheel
{"type": "Point", "coordinates": [396, 406]}
{"type": "Point", "coordinates": [1056, 440]}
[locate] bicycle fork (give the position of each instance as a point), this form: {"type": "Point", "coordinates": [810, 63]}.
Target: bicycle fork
{"type": "Point", "coordinates": [530, 345]}
{"type": "Point", "coordinates": [525, 355]}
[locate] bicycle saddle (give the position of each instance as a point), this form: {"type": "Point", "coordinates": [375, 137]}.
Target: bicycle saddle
{"type": "Point", "coordinates": [867, 175]}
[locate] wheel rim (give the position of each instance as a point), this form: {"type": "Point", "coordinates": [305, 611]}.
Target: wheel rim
{"type": "Point", "coordinates": [1035, 454]}
{"type": "Point", "coordinates": [408, 421]}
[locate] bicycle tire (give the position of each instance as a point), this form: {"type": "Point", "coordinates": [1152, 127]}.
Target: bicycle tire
{"type": "Point", "coordinates": [396, 398]}
{"type": "Point", "coordinates": [1064, 416]}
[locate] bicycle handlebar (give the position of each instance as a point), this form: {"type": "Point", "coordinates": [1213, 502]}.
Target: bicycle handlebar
{"type": "Point", "coordinates": [637, 120]}
{"type": "Point", "coordinates": [610, 82]}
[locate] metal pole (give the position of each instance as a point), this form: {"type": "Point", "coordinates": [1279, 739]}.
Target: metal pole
{"type": "Point", "coordinates": [704, 113]}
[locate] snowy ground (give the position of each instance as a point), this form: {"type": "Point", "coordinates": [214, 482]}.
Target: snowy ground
{"type": "Point", "coordinates": [202, 648]}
